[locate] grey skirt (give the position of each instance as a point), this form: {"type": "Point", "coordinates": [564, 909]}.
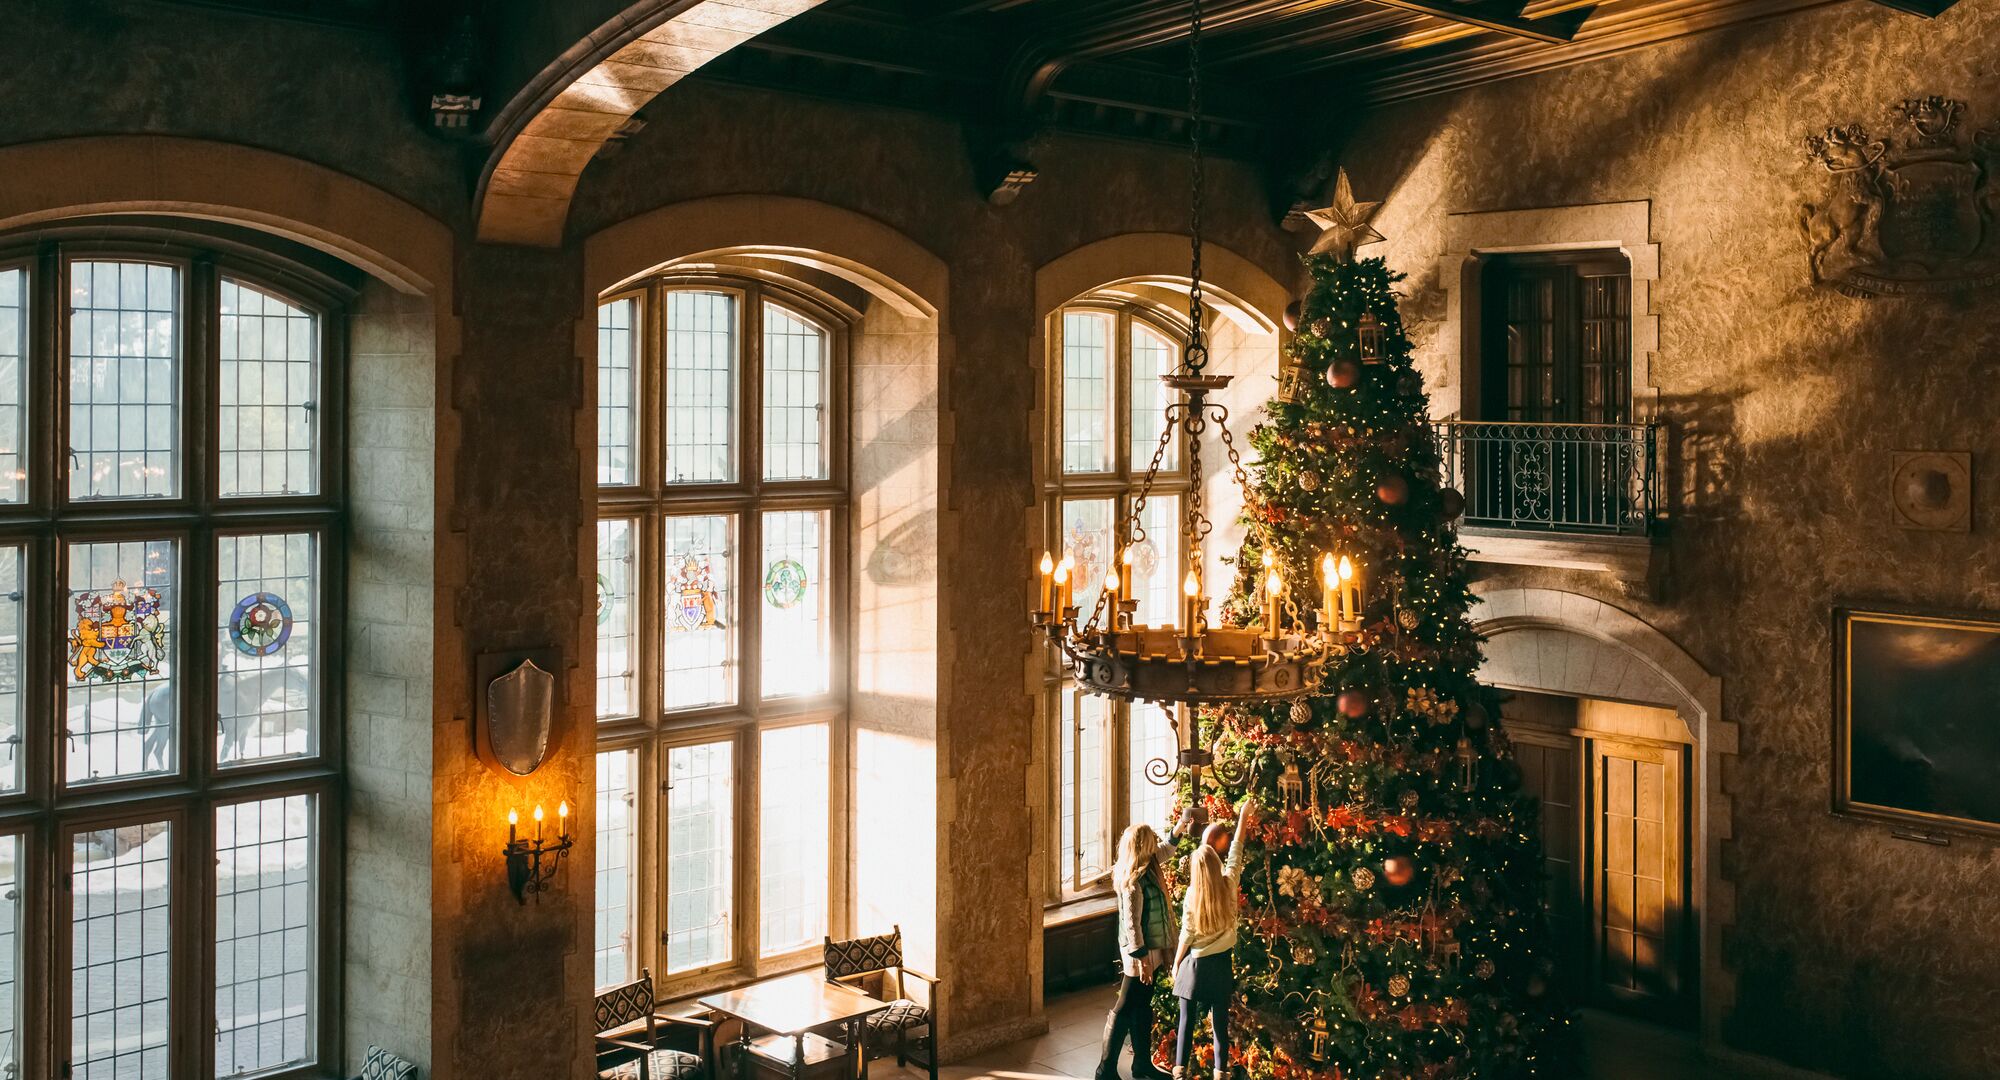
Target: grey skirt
{"type": "Point", "coordinates": [1206, 979]}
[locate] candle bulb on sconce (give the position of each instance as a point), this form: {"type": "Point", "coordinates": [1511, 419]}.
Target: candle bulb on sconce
{"type": "Point", "coordinates": [513, 822]}
{"type": "Point", "coordinates": [1048, 587]}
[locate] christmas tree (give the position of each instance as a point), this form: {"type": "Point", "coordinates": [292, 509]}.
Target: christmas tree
{"type": "Point", "coordinates": [1392, 905]}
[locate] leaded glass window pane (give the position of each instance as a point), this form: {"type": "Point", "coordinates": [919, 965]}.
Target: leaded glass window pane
{"type": "Point", "coordinates": [617, 619]}
{"type": "Point", "coordinates": [1084, 719]}
{"type": "Point", "coordinates": [796, 630]}
{"type": "Point", "coordinates": [1087, 542]}
{"type": "Point", "coordinates": [617, 865]}
{"type": "Point", "coordinates": [124, 380]}
{"type": "Point", "coordinates": [794, 397]}
{"type": "Point", "coordinates": [700, 630]}
{"type": "Point", "coordinates": [1086, 392]}
{"type": "Point", "coordinates": [1156, 562]}
{"type": "Point", "coordinates": [13, 383]}
{"type": "Point", "coordinates": [11, 873]}
{"type": "Point", "coordinates": [617, 392]}
{"type": "Point", "coordinates": [701, 824]}
{"type": "Point", "coordinates": [120, 909]}
{"type": "Point", "coordinates": [119, 687]}
{"type": "Point", "coordinates": [267, 597]}
{"type": "Point", "coordinates": [1151, 738]}
{"type": "Point", "coordinates": [266, 906]}
{"type": "Point", "coordinates": [792, 828]}
{"type": "Point", "coordinates": [267, 395]}
{"type": "Point", "coordinates": [701, 359]}
{"type": "Point", "coordinates": [1152, 357]}
{"type": "Point", "coordinates": [12, 765]}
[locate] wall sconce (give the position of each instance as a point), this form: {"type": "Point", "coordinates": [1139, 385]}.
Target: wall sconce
{"type": "Point", "coordinates": [532, 864]}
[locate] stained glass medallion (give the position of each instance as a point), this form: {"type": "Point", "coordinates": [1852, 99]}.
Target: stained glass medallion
{"type": "Point", "coordinates": [785, 584]}
{"type": "Point", "coordinates": [260, 624]}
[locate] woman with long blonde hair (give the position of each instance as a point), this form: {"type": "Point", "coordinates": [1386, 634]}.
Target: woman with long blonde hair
{"type": "Point", "coordinates": [1145, 928]}
{"type": "Point", "coordinates": [1204, 975]}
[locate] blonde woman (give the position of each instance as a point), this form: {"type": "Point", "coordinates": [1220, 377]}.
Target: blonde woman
{"type": "Point", "coordinates": [1145, 931]}
{"type": "Point", "coordinates": [1204, 977]}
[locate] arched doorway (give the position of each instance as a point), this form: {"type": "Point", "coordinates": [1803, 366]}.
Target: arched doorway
{"type": "Point", "coordinates": [1620, 731]}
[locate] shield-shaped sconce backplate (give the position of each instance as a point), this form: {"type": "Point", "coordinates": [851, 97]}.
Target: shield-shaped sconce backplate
{"type": "Point", "coordinates": [520, 710]}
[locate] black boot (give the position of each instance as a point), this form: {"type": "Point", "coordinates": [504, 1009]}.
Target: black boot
{"type": "Point", "coordinates": [1116, 1028]}
{"type": "Point", "coordinates": [1142, 1048]}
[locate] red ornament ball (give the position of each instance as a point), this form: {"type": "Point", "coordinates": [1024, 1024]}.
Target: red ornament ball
{"type": "Point", "coordinates": [1398, 870]}
{"type": "Point", "coordinates": [1343, 374]}
{"type": "Point", "coordinates": [1392, 489]}
{"type": "Point", "coordinates": [1451, 503]}
{"type": "Point", "coordinates": [1353, 704]}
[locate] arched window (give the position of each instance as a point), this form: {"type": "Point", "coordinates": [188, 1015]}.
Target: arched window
{"type": "Point", "coordinates": [720, 645]}
{"type": "Point", "coordinates": [1107, 421]}
{"type": "Point", "coordinates": [169, 545]}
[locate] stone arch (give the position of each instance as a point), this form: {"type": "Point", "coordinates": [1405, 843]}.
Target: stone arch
{"type": "Point", "coordinates": [1566, 643]}
{"type": "Point", "coordinates": [153, 174]}
{"type": "Point", "coordinates": [552, 129]}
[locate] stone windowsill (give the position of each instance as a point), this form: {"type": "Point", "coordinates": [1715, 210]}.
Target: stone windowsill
{"type": "Point", "coordinates": [1081, 908]}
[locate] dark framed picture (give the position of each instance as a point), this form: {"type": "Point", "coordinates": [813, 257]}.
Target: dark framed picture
{"type": "Point", "coordinates": [1916, 735]}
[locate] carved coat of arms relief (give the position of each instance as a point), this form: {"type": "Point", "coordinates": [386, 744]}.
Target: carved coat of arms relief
{"type": "Point", "coordinates": [1911, 212]}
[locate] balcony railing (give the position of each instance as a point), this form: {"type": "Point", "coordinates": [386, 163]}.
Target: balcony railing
{"type": "Point", "coordinates": [1565, 478]}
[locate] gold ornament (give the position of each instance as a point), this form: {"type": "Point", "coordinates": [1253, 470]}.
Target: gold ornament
{"type": "Point", "coordinates": [1409, 800]}
{"type": "Point", "coordinates": [1484, 968]}
{"type": "Point", "coordinates": [1308, 481]}
{"type": "Point", "coordinates": [1301, 712]}
{"type": "Point", "coordinates": [1407, 619]}
{"type": "Point", "coordinates": [1399, 984]}
{"type": "Point", "coordinates": [1344, 224]}
{"type": "Point", "coordinates": [1364, 878]}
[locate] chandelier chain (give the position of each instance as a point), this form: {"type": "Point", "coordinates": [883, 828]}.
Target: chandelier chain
{"type": "Point", "coordinates": [1197, 350]}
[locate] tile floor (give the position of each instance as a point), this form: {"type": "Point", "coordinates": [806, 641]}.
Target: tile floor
{"type": "Point", "coordinates": [1613, 1049]}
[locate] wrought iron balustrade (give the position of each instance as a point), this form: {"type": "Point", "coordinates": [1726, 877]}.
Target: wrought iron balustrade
{"type": "Point", "coordinates": [1565, 478]}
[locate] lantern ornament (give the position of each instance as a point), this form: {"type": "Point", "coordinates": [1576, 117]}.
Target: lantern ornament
{"type": "Point", "coordinates": [1368, 337]}
{"type": "Point", "coordinates": [1291, 376]}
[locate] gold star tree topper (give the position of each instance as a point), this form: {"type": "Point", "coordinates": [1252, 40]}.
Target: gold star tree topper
{"type": "Point", "coordinates": [1344, 225]}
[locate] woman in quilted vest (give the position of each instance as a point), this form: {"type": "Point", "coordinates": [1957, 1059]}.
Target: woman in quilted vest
{"type": "Point", "coordinates": [1145, 931]}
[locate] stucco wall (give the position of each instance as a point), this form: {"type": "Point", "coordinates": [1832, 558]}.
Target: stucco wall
{"type": "Point", "coordinates": [1854, 953]}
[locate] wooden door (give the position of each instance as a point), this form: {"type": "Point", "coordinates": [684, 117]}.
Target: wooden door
{"type": "Point", "coordinates": [1638, 876]}
{"type": "Point", "coordinates": [1552, 771]}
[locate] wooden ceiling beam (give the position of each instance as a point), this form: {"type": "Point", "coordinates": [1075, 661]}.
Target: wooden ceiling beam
{"type": "Point", "coordinates": [1503, 17]}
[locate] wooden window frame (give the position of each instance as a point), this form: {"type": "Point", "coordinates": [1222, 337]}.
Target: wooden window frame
{"type": "Point", "coordinates": [1119, 485]}
{"type": "Point", "coordinates": [1567, 318]}
{"type": "Point", "coordinates": [653, 730]}
{"type": "Point", "coordinates": [47, 811]}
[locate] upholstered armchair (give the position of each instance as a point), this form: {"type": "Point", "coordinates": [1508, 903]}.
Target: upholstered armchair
{"type": "Point", "coordinates": [380, 1064]}
{"type": "Point", "coordinates": [629, 1032]}
{"type": "Point", "coordinates": [875, 965]}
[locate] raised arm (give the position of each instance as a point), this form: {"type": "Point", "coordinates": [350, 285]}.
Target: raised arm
{"type": "Point", "coordinates": [1234, 863]}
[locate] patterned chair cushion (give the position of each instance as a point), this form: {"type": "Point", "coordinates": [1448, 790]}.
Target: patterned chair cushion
{"type": "Point", "coordinates": [846, 959]}
{"type": "Point", "coordinates": [380, 1064]}
{"type": "Point", "coordinates": [900, 1015]}
{"type": "Point", "coordinates": [625, 1004]}
{"type": "Point", "coordinates": [664, 1065]}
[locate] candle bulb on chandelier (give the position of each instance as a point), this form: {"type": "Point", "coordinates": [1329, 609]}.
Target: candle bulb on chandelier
{"type": "Point", "coordinates": [1111, 593]}
{"type": "Point", "coordinates": [1048, 585]}
{"type": "Point", "coordinates": [1329, 585]}
{"type": "Point", "coordinates": [1126, 559]}
{"type": "Point", "coordinates": [1062, 589]}
{"type": "Point", "coordinates": [1350, 595]}
{"type": "Point", "coordinates": [1191, 603]}
{"type": "Point", "coordinates": [1274, 591]}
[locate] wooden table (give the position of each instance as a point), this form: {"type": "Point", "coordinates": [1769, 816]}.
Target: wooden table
{"type": "Point", "coordinates": [790, 1009]}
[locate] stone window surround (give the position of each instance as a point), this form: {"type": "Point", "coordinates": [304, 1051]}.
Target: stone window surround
{"type": "Point", "coordinates": [1471, 237]}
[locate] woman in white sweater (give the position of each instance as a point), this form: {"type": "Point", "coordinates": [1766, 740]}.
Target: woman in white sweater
{"type": "Point", "coordinates": [1204, 976]}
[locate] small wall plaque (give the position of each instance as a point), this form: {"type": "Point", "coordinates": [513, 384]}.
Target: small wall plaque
{"type": "Point", "coordinates": [1931, 490]}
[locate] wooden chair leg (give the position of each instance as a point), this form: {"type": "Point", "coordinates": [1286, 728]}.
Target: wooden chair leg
{"type": "Point", "coordinates": [902, 1047]}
